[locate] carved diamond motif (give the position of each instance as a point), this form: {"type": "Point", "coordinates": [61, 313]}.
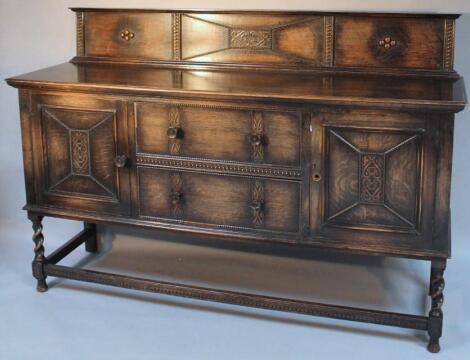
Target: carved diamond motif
{"type": "Point", "coordinates": [372, 178]}
{"type": "Point", "coordinates": [80, 156]}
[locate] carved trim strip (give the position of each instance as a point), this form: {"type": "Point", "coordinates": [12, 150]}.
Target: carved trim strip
{"type": "Point", "coordinates": [250, 39]}
{"type": "Point", "coordinates": [176, 25]}
{"type": "Point", "coordinates": [80, 22]}
{"type": "Point", "coordinates": [232, 297]}
{"type": "Point", "coordinates": [372, 178]}
{"type": "Point", "coordinates": [449, 40]}
{"type": "Point", "coordinates": [257, 129]}
{"type": "Point", "coordinates": [174, 145]}
{"type": "Point", "coordinates": [79, 144]}
{"type": "Point", "coordinates": [328, 39]}
{"type": "Point", "coordinates": [208, 166]}
{"type": "Point", "coordinates": [257, 206]}
{"type": "Point", "coordinates": [176, 195]}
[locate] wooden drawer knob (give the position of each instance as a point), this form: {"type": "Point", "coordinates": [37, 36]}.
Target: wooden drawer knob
{"type": "Point", "coordinates": [257, 139]}
{"type": "Point", "coordinates": [174, 133]}
{"type": "Point", "coordinates": [121, 161]}
{"type": "Point", "coordinates": [257, 206]}
{"type": "Point", "coordinates": [176, 198]}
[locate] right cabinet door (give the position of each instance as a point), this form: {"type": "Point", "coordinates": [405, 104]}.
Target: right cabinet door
{"type": "Point", "coordinates": [373, 179]}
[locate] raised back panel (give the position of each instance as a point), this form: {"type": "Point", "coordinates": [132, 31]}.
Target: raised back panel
{"type": "Point", "coordinates": [267, 39]}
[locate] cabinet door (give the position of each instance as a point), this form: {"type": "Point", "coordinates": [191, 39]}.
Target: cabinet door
{"type": "Point", "coordinates": [373, 179]}
{"type": "Point", "coordinates": [77, 139]}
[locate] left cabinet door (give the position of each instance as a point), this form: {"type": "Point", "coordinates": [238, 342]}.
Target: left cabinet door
{"type": "Point", "coordinates": [80, 151]}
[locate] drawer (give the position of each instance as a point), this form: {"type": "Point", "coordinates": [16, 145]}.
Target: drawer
{"type": "Point", "coordinates": [140, 35]}
{"type": "Point", "coordinates": [389, 42]}
{"type": "Point", "coordinates": [219, 133]}
{"type": "Point", "coordinates": [220, 201]}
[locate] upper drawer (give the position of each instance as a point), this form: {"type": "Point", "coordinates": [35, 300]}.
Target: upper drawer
{"type": "Point", "coordinates": [142, 35]}
{"type": "Point", "coordinates": [381, 42]}
{"type": "Point", "coordinates": [218, 133]}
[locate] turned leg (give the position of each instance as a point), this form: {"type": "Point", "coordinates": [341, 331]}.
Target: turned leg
{"type": "Point", "coordinates": [437, 299]}
{"type": "Point", "coordinates": [39, 258]}
{"type": "Point", "coordinates": [91, 243]}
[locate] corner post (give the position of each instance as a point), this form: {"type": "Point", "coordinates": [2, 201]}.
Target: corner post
{"type": "Point", "coordinates": [39, 258]}
{"type": "Point", "coordinates": [437, 299]}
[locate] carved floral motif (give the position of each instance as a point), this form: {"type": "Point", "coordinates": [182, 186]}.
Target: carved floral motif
{"type": "Point", "coordinates": [174, 143]}
{"type": "Point", "coordinates": [387, 42]}
{"type": "Point", "coordinates": [127, 35]}
{"type": "Point", "coordinates": [256, 137]}
{"type": "Point", "coordinates": [250, 39]}
{"type": "Point", "coordinates": [257, 206]}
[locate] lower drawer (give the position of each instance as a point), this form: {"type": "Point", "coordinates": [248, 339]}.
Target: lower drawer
{"type": "Point", "coordinates": [219, 200]}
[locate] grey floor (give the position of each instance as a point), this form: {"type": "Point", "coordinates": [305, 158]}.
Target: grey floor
{"type": "Point", "coordinates": [75, 320]}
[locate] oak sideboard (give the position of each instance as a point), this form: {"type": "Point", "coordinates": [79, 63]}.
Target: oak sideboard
{"type": "Point", "coordinates": [312, 130]}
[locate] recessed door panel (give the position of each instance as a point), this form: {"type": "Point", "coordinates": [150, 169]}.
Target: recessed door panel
{"type": "Point", "coordinates": [79, 146]}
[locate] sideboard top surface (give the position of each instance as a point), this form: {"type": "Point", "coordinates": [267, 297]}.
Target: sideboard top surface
{"type": "Point", "coordinates": [321, 88]}
{"type": "Point", "coordinates": [260, 11]}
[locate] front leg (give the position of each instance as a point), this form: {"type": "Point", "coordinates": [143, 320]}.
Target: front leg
{"type": "Point", "coordinates": [437, 298]}
{"type": "Point", "coordinates": [39, 258]}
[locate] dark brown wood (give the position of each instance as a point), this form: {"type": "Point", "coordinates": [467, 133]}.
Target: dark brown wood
{"type": "Point", "coordinates": [271, 39]}
{"type": "Point", "coordinates": [320, 88]}
{"type": "Point", "coordinates": [87, 236]}
{"type": "Point", "coordinates": [39, 258]}
{"type": "Point", "coordinates": [317, 130]}
{"type": "Point", "coordinates": [437, 299]}
{"type": "Point", "coordinates": [243, 299]}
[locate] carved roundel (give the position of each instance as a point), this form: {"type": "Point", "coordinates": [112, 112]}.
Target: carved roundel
{"type": "Point", "coordinates": [389, 43]}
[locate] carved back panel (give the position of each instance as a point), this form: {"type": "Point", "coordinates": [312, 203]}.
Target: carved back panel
{"type": "Point", "coordinates": [271, 39]}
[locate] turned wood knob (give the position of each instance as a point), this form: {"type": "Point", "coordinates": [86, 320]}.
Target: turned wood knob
{"type": "Point", "coordinates": [174, 133]}
{"type": "Point", "coordinates": [256, 139]}
{"type": "Point", "coordinates": [257, 206]}
{"type": "Point", "coordinates": [121, 161]}
{"type": "Point", "coordinates": [176, 198]}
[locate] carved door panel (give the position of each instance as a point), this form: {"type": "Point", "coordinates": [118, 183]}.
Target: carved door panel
{"type": "Point", "coordinates": [77, 141]}
{"type": "Point", "coordinates": [374, 174]}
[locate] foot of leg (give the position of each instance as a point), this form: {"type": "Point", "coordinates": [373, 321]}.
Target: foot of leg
{"type": "Point", "coordinates": [91, 243]}
{"type": "Point", "coordinates": [437, 298]}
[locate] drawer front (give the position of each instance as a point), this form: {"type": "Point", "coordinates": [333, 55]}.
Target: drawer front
{"type": "Point", "coordinates": [387, 42]}
{"type": "Point", "coordinates": [219, 133]}
{"type": "Point", "coordinates": [375, 172]}
{"type": "Point", "coordinates": [76, 140]}
{"type": "Point", "coordinates": [220, 201]}
{"type": "Point", "coordinates": [143, 35]}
